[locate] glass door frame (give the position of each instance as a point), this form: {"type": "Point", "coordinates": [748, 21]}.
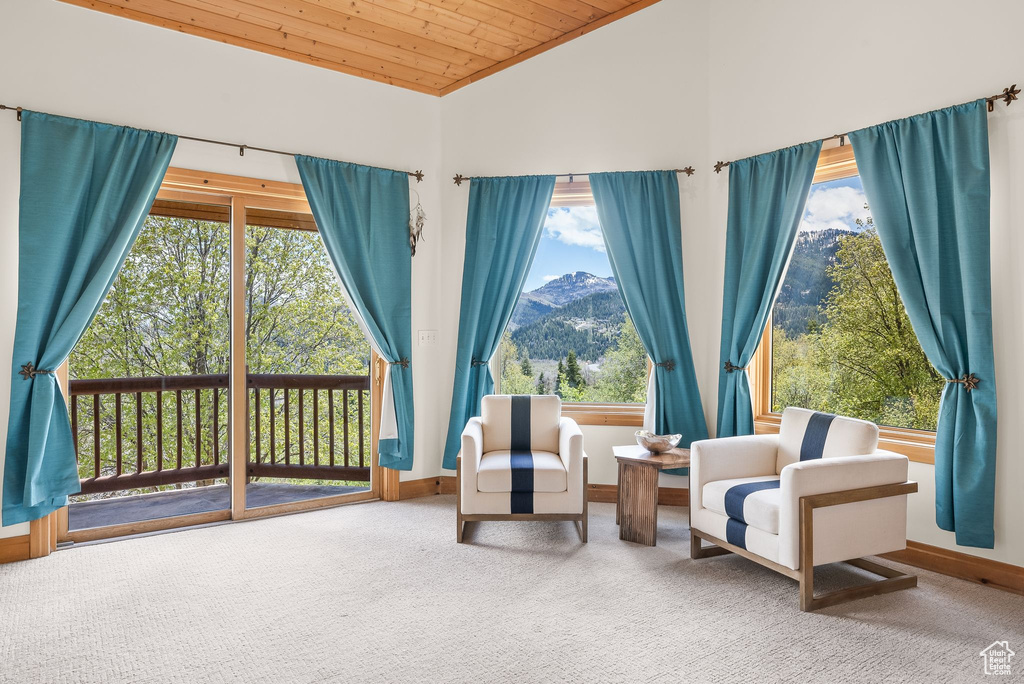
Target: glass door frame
{"type": "Point", "coordinates": [238, 193]}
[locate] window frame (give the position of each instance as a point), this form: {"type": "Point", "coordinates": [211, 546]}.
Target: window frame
{"type": "Point", "coordinates": [241, 194]}
{"type": "Point", "coordinates": [576, 192]}
{"type": "Point", "coordinates": [917, 445]}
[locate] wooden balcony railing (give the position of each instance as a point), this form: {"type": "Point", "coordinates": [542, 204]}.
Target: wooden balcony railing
{"type": "Point", "coordinates": [167, 430]}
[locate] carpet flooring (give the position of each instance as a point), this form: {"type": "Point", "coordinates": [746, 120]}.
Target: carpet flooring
{"type": "Point", "coordinates": [380, 592]}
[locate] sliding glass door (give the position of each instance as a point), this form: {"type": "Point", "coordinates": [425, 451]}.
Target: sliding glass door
{"type": "Point", "coordinates": [148, 382]}
{"type": "Point", "coordinates": [308, 374]}
{"type": "Point", "coordinates": [225, 376]}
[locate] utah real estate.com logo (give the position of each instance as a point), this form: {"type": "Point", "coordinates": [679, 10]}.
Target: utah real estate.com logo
{"type": "Point", "coordinates": [997, 658]}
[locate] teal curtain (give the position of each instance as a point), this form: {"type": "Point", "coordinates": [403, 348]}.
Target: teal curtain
{"type": "Point", "coordinates": [86, 189]}
{"type": "Point", "coordinates": [927, 183]}
{"type": "Point", "coordinates": [506, 216]}
{"type": "Point", "coordinates": [767, 194]}
{"type": "Point", "coordinates": [362, 213]}
{"type": "Point", "coordinates": [639, 215]}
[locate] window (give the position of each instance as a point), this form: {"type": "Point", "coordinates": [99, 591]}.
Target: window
{"type": "Point", "coordinates": [224, 376]}
{"type": "Point", "coordinates": [569, 333]}
{"type": "Point", "coordinates": [839, 339]}
{"type": "Point", "coordinates": [155, 357]}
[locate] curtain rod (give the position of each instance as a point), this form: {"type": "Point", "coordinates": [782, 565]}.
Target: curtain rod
{"type": "Point", "coordinates": [1008, 95]}
{"type": "Point", "coordinates": [418, 174]}
{"type": "Point", "coordinates": [458, 178]}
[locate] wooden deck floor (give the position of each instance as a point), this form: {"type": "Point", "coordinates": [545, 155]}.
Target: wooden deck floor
{"type": "Point", "coordinates": [104, 512]}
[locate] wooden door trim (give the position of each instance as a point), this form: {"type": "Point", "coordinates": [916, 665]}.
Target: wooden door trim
{"type": "Point", "coordinates": [145, 526]}
{"type": "Point", "coordinates": [238, 404]}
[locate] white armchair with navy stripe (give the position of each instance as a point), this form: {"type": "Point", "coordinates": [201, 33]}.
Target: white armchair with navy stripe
{"type": "Point", "coordinates": [521, 460]}
{"type": "Point", "coordinates": [818, 492]}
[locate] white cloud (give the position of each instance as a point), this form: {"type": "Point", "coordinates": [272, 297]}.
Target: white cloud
{"type": "Point", "coordinates": [549, 278]}
{"type": "Point", "coordinates": [575, 226]}
{"type": "Point", "coordinates": [835, 208]}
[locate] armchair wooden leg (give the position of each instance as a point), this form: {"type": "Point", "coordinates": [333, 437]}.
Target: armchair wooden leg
{"type": "Point", "coordinates": [698, 550]}
{"type": "Point", "coordinates": [459, 524]}
{"type": "Point", "coordinates": [695, 545]}
{"type": "Point", "coordinates": [893, 580]}
{"type": "Point", "coordinates": [586, 502]}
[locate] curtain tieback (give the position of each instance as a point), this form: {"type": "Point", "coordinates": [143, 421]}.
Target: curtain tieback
{"type": "Point", "coordinates": [729, 368]}
{"type": "Point", "coordinates": [403, 362]}
{"type": "Point", "coordinates": [478, 362]}
{"type": "Point", "coordinates": [669, 365]}
{"type": "Point", "coordinates": [969, 381]}
{"type": "Point", "coordinates": [29, 371]}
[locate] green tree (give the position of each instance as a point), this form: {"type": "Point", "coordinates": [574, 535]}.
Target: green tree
{"type": "Point", "coordinates": [514, 379]}
{"type": "Point", "coordinates": [879, 369]}
{"type": "Point", "coordinates": [168, 314]}
{"type": "Point", "coordinates": [542, 385]}
{"type": "Point", "coordinates": [864, 360]}
{"type": "Point", "coordinates": [567, 392]}
{"type": "Point", "coordinates": [573, 374]}
{"type": "Point", "coordinates": [623, 376]}
{"type": "Point", "coordinates": [525, 366]}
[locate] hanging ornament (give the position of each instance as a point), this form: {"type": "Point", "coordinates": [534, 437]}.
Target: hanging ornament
{"type": "Point", "coordinates": [417, 217]}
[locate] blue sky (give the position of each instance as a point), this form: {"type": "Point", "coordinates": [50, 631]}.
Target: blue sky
{"type": "Point", "coordinates": [835, 204]}
{"type": "Point", "coordinates": [571, 241]}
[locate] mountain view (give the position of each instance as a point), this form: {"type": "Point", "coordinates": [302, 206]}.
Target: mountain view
{"type": "Point", "coordinates": [569, 333]}
{"type": "Point", "coordinates": [556, 293]}
{"type": "Point", "coordinates": [577, 312]}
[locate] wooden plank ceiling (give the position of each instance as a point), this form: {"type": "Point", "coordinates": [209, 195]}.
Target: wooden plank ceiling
{"type": "Point", "coordinates": [431, 46]}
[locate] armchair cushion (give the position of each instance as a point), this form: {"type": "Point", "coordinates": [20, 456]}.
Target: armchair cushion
{"type": "Point", "coordinates": [752, 501]}
{"type": "Point", "coordinates": [851, 530]}
{"type": "Point", "coordinates": [809, 435]}
{"type": "Point", "coordinates": [520, 423]}
{"type": "Point", "coordinates": [497, 474]}
{"type": "Point", "coordinates": [729, 458]}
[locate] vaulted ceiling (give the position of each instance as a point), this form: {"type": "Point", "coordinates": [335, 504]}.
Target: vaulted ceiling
{"type": "Point", "coordinates": [431, 46]}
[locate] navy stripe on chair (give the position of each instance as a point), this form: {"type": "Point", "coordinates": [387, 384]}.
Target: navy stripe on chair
{"type": "Point", "coordinates": [520, 423]}
{"type": "Point", "coordinates": [737, 494]}
{"type": "Point", "coordinates": [813, 445]}
{"type": "Point", "coordinates": [521, 457]}
{"type": "Point", "coordinates": [736, 533]}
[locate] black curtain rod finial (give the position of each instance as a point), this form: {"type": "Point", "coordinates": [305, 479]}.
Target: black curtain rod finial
{"type": "Point", "coordinates": [18, 110]}
{"type": "Point", "coordinates": [1007, 96]}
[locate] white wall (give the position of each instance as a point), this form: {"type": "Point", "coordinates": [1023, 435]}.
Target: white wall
{"type": "Point", "coordinates": [780, 77]}
{"type": "Point", "coordinates": [688, 81]}
{"type": "Point", "coordinates": [66, 60]}
{"type": "Point", "coordinates": [615, 99]}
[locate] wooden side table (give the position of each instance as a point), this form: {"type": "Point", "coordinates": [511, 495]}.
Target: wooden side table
{"type": "Point", "coordinates": [636, 509]}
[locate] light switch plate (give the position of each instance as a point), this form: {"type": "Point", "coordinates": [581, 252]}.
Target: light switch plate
{"type": "Point", "coordinates": [428, 337]}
